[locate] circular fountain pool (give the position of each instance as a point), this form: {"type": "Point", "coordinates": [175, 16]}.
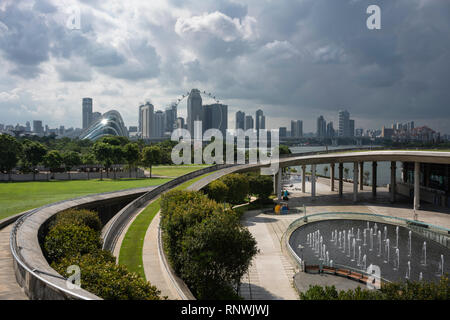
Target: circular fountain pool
{"type": "Point", "coordinates": [357, 244]}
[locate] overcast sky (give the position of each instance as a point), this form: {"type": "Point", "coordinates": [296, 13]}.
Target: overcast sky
{"type": "Point", "coordinates": [294, 59]}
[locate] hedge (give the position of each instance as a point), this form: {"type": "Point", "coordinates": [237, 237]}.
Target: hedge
{"type": "Point", "coordinates": [74, 239]}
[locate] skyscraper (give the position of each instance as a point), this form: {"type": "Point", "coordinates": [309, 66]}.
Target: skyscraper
{"type": "Point", "coordinates": [321, 127]}
{"type": "Point", "coordinates": [240, 120]}
{"type": "Point", "coordinates": [38, 128]}
{"type": "Point", "coordinates": [344, 123]}
{"type": "Point", "coordinates": [260, 120]}
{"type": "Point", "coordinates": [249, 122]}
{"type": "Point", "coordinates": [216, 117]}
{"type": "Point", "coordinates": [87, 112]}
{"type": "Point", "coordinates": [330, 130]}
{"type": "Point", "coordinates": [296, 128]}
{"type": "Point", "coordinates": [282, 132]}
{"type": "Point", "coordinates": [159, 124]}
{"type": "Point", "coordinates": [171, 118]}
{"type": "Point", "coordinates": [146, 120]}
{"type": "Point", "coordinates": [351, 128]}
{"type": "Point", "coordinates": [194, 110]}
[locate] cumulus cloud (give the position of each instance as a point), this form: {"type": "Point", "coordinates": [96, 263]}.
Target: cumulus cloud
{"type": "Point", "coordinates": [219, 25]}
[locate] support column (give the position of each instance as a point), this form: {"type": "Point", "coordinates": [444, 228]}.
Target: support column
{"type": "Point", "coordinates": [374, 179]}
{"type": "Point", "coordinates": [332, 176]}
{"type": "Point", "coordinates": [355, 181]}
{"type": "Point", "coordinates": [361, 175]}
{"type": "Point", "coordinates": [393, 180]}
{"type": "Point", "coordinates": [416, 185]}
{"type": "Point", "coordinates": [341, 177]}
{"type": "Point", "coordinates": [303, 179]}
{"type": "Point", "coordinates": [313, 180]}
{"type": "Point", "coordinates": [279, 176]}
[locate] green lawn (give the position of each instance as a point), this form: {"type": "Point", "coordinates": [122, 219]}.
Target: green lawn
{"type": "Point", "coordinates": [175, 171]}
{"type": "Point", "coordinates": [131, 249]}
{"type": "Point", "coordinates": [16, 197]}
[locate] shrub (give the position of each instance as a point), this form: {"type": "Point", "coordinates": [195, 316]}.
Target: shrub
{"type": "Point", "coordinates": [238, 188]}
{"type": "Point", "coordinates": [260, 186]}
{"type": "Point", "coordinates": [181, 210]}
{"type": "Point", "coordinates": [78, 217]}
{"type": "Point", "coordinates": [101, 276]}
{"type": "Point", "coordinates": [68, 240]}
{"type": "Point", "coordinates": [217, 190]}
{"type": "Point", "coordinates": [408, 290]}
{"type": "Point", "coordinates": [215, 254]}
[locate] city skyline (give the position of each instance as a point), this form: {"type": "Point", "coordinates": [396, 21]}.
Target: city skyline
{"type": "Point", "coordinates": [272, 63]}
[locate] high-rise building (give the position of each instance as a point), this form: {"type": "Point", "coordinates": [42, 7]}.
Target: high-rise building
{"type": "Point", "coordinates": [194, 110]}
{"type": "Point", "coordinates": [28, 126]}
{"type": "Point", "coordinates": [240, 120]}
{"type": "Point", "coordinates": [282, 132]}
{"type": "Point", "coordinates": [321, 127]}
{"type": "Point", "coordinates": [346, 125]}
{"type": "Point", "coordinates": [215, 116]}
{"type": "Point", "coordinates": [87, 112]}
{"type": "Point", "coordinates": [171, 118]}
{"type": "Point", "coordinates": [95, 116]}
{"type": "Point", "coordinates": [160, 124]}
{"type": "Point", "coordinates": [351, 129]}
{"type": "Point", "coordinates": [62, 130]}
{"type": "Point", "coordinates": [330, 130]}
{"type": "Point", "coordinates": [146, 120]}
{"type": "Point", "coordinates": [359, 132]}
{"type": "Point", "coordinates": [249, 122]}
{"type": "Point", "coordinates": [260, 120]}
{"type": "Point", "coordinates": [180, 123]}
{"type": "Point", "coordinates": [296, 128]}
{"type": "Point", "coordinates": [37, 127]}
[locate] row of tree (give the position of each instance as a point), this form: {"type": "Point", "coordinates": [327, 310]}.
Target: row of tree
{"type": "Point", "coordinates": [28, 154]}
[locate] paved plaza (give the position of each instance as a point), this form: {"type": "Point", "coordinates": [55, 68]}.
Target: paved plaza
{"type": "Point", "coordinates": [271, 275]}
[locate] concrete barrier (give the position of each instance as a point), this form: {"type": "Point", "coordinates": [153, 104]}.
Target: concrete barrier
{"type": "Point", "coordinates": [33, 273]}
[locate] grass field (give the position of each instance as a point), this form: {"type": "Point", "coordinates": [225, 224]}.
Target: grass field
{"type": "Point", "coordinates": [175, 171]}
{"type": "Point", "coordinates": [17, 197]}
{"type": "Point", "coordinates": [131, 249]}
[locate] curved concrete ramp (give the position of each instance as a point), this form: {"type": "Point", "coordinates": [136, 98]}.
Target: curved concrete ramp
{"type": "Point", "coordinates": [9, 288]}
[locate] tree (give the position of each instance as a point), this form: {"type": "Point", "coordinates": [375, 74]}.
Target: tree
{"type": "Point", "coordinates": [131, 155]}
{"type": "Point", "coordinates": [238, 187]}
{"type": "Point", "coordinates": [103, 152]}
{"type": "Point", "coordinates": [117, 156]}
{"type": "Point", "coordinates": [71, 159]}
{"type": "Point", "coordinates": [53, 160]}
{"type": "Point", "coordinates": [88, 159]}
{"type": "Point", "coordinates": [260, 186]}
{"type": "Point", "coordinates": [217, 190]}
{"type": "Point", "coordinates": [151, 156]}
{"type": "Point", "coordinates": [284, 149]}
{"type": "Point", "coordinates": [10, 150]}
{"type": "Point", "coordinates": [216, 253]}
{"type": "Point", "coordinates": [33, 154]}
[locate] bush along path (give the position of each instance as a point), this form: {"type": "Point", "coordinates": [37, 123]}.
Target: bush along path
{"type": "Point", "coordinates": [73, 238]}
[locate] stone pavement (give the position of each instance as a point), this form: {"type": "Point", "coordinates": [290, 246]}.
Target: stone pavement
{"type": "Point", "coordinates": [153, 265]}
{"type": "Point", "coordinates": [9, 289]}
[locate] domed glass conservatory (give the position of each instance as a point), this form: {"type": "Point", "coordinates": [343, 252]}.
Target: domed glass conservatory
{"type": "Point", "coordinates": [110, 123]}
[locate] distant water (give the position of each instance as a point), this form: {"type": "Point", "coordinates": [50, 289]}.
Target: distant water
{"type": "Point", "coordinates": [383, 169]}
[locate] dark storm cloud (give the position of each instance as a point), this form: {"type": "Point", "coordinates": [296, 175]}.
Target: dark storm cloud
{"type": "Point", "coordinates": [297, 58]}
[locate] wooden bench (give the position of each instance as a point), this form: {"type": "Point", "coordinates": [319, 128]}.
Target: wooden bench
{"type": "Point", "coordinates": [342, 272]}
{"type": "Point", "coordinates": [355, 276]}
{"type": "Point", "coordinates": [329, 270]}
